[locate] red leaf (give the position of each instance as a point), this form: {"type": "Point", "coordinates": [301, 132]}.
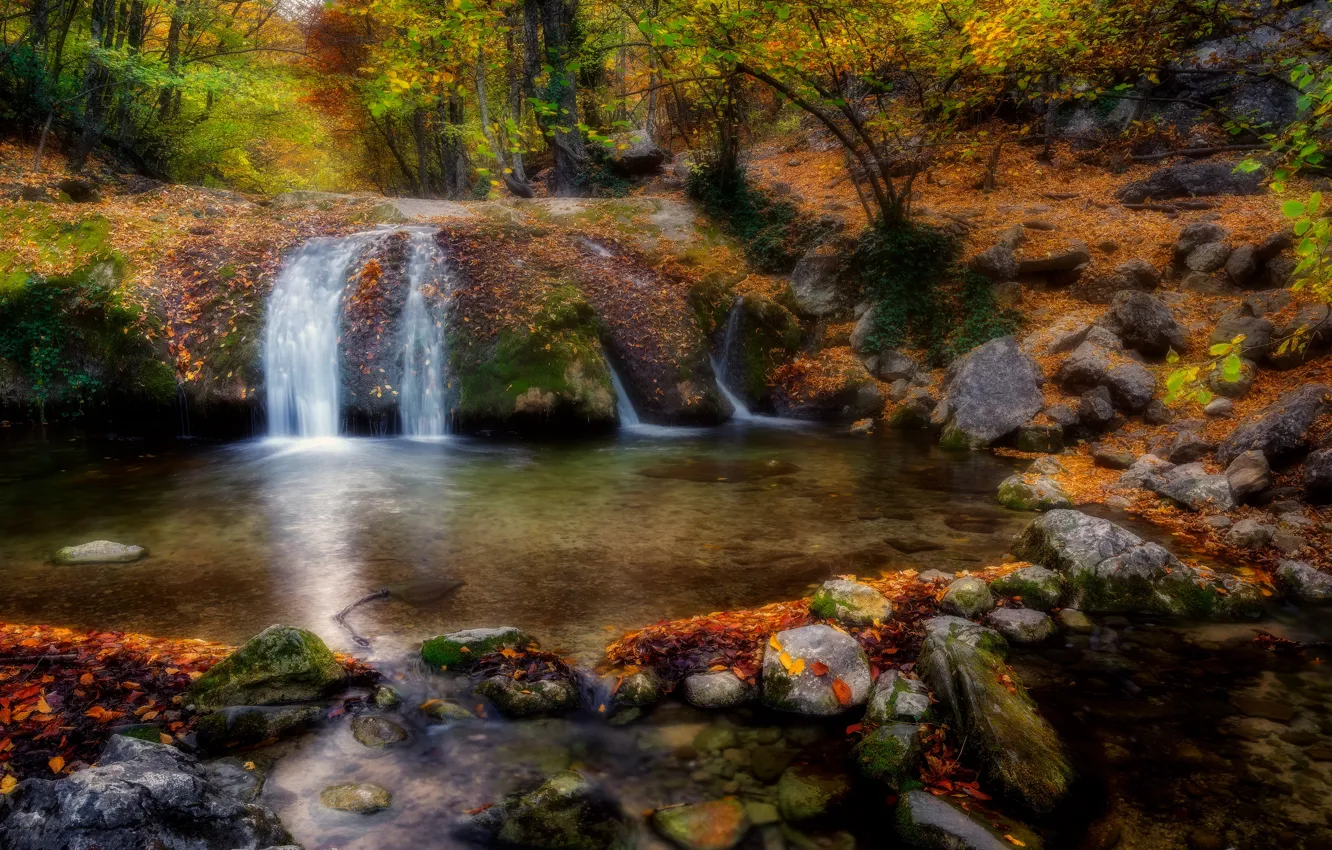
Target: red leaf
{"type": "Point", "coordinates": [842, 690]}
{"type": "Point", "coordinates": [818, 668]}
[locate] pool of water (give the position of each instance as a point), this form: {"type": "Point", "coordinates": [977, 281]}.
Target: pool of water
{"type": "Point", "coordinates": [571, 541]}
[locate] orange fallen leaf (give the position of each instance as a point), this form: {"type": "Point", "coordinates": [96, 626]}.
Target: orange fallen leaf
{"type": "Point", "coordinates": [86, 679]}
{"type": "Point", "coordinates": [818, 668]}
{"type": "Point", "coordinates": [842, 691]}
{"type": "Point", "coordinates": [8, 784]}
{"type": "Point", "coordinates": [56, 763]}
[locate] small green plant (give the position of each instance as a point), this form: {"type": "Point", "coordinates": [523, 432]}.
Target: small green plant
{"type": "Point", "coordinates": [1186, 382]}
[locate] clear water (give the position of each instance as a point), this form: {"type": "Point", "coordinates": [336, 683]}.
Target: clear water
{"type": "Point", "coordinates": [422, 404]}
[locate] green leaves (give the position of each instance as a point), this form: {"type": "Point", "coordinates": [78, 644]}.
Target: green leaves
{"type": "Point", "coordinates": [1293, 209]}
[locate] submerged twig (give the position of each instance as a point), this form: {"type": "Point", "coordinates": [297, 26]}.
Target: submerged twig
{"type": "Point", "coordinates": [342, 615]}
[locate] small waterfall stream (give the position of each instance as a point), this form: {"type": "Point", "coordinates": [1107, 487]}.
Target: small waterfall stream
{"type": "Point", "coordinates": [722, 369]}
{"type": "Point", "coordinates": [301, 341]}
{"type": "Point", "coordinates": [624, 406]}
{"type": "Point", "coordinates": [422, 404]}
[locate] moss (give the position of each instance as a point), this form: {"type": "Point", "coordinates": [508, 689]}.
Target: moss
{"type": "Point", "coordinates": [823, 606]}
{"type": "Point", "coordinates": [771, 335]}
{"type": "Point", "coordinates": [1039, 590]}
{"type": "Point", "coordinates": [58, 242]}
{"type": "Point", "coordinates": [461, 650]}
{"type": "Point", "coordinates": [280, 664]}
{"type": "Point", "coordinates": [889, 755]}
{"type": "Point", "coordinates": [806, 793]}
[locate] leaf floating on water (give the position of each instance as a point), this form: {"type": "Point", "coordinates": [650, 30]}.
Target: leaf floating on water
{"type": "Point", "coordinates": [1015, 841]}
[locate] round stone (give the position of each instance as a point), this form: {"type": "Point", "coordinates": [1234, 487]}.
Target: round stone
{"type": "Point", "coordinates": [375, 732]}
{"type": "Point", "coordinates": [362, 798]}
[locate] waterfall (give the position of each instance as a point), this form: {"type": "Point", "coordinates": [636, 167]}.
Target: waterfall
{"type": "Point", "coordinates": [301, 342]}
{"type": "Point", "coordinates": [723, 373]}
{"type": "Point", "coordinates": [624, 406]}
{"type": "Point", "coordinates": [421, 404]}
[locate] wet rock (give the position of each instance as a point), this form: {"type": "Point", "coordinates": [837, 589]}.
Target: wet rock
{"type": "Point", "coordinates": [1304, 583]}
{"type": "Point", "coordinates": [386, 696]}
{"type": "Point", "coordinates": [850, 603]}
{"type": "Point", "coordinates": [804, 692]}
{"type": "Point", "coordinates": [139, 795]}
{"type": "Point", "coordinates": [1191, 486]}
{"type": "Point", "coordinates": [1103, 363]}
{"type": "Point", "coordinates": [1021, 753]}
{"type": "Point", "coordinates": [967, 597]}
{"type": "Point", "coordinates": [1317, 477]}
{"type": "Point", "coordinates": [462, 650]}
{"type": "Point", "coordinates": [1219, 408]}
{"type": "Point", "coordinates": [928, 822]}
{"type": "Point", "coordinates": [568, 812]}
{"type": "Point", "coordinates": [998, 263]}
{"type": "Point", "coordinates": [644, 687]}
{"type": "Point", "coordinates": [990, 393]}
{"type": "Point", "coordinates": [1280, 431]}
{"type": "Point", "coordinates": [1218, 382]}
{"type": "Point", "coordinates": [1191, 179]}
{"type": "Point", "coordinates": [1021, 625]}
{"type": "Point", "coordinates": [1111, 570]}
{"type": "Point", "coordinates": [897, 698]}
{"type": "Point", "coordinates": [715, 825]}
{"type": "Point", "coordinates": [1257, 334]}
{"type": "Point", "coordinates": [373, 731]}
{"type": "Point", "coordinates": [889, 755]}
{"type": "Point", "coordinates": [524, 699]}
{"type": "Point", "coordinates": [446, 711]}
{"type": "Point", "coordinates": [99, 552]}
{"type": "Point", "coordinates": [806, 793]}
{"type": "Point", "coordinates": [1036, 587]}
{"type": "Point", "coordinates": [1109, 457]}
{"type": "Point", "coordinates": [1071, 258]}
{"type": "Point", "coordinates": [1143, 323]}
{"type": "Point", "coordinates": [362, 798]}
{"type": "Point", "coordinates": [1250, 534]}
{"type": "Point", "coordinates": [1041, 494]}
{"type": "Point", "coordinates": [1075, 622]}
{"type": "Point", "coordinates": [279, 665]}
{"type": "Point", "coordinates": [247, 725]}
{"type": "Point", "coordinates": [720, 689]}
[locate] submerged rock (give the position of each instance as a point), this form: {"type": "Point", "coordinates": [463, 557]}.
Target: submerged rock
{"type": "Point", "coordinates": [139, 795]}
{"type": "Point", "coordinates": [1021, 625]}
{"type": "Point", "coordinates": [967, 597]}
{"type": "Point", "coordinates": [807, 793]}
{"type": "Point", "coordinates": [524, 699]}
{"type": "Point", "coordinates": [375, 732]}
{"type": "Point", "coordinates": [890, 755]}
{"type": "Point", "coordinates": [362, 798]}
{"type": "Point", "coordinates": [567, 812]}
{"type": "Point", "coordinates": [280, 664]}
{"type": "Point", "coordinates": [718, 689]}
{"type": "Point", "coordinates": [897, 698]}
{"type": "Point", "coordinates": [461, 650]}
{"type": "Point", "coordinates": [851, 603]}
{"type": "Point", "coordinates": [1035, 587]}
{"type": "Point", "coordinates": [1109, 569]}
{"type": "Point", "coordinates": [1019, 749]}
{"type": "Point", "coordinates": [937, 823]}
{"type": "Point", "coordinates": [445, 711]}
{"type": "Point", "coordinates": [790, 680]}
{"type": "Point", "coordinates": [991, 392]}
{"type": "Point", "coordinates": [1042, 494]}
{"type": "Point", "coordinates": [99, 552]}
{"type": "Point", "coordinates": [715, 825]}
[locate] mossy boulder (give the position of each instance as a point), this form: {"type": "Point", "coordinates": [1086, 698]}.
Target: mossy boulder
{"type": "Point", "coordinates": [1035, 587]}
{"type": "Point", "coordinates": [890, 755]}
{"type": "Point", "coordinates": [1020, 751]}
{"type": "Point", "coordinates": [641, 688]}
{"type": "Point", "coordinates": [808, 793]}
{"type": "Point", "coordinates": [281, 664]}
{"type": "Point", "coordinates": [525, 699]}
{"type": "Point", "coordinates": [714, 825]}
{"type": "Point", "coordinates": [247, 725]}
{"type": "Point", "coordinates": [927, 822]}
{"type": "Point", "coordinates": [815, 670]}
{"type": "Point", "coordinates": [1040, 494]}
{"type": "Point", "coordinates": [967, 597]}
{"type": "Point", "coordinates": [362, 798]}
{"type": "Point", "coordinates": [375, 732]}
{"type": "Point", "coordinates": [897, 698]}
{"type": "Point", "coordinates": [567, 812]}
{"type": "Point", "coordinates": [850, 603]}
{"type": "Point", "coordinates": [461, 650]}
{"type": "Point", "coordinates": [766, 336]}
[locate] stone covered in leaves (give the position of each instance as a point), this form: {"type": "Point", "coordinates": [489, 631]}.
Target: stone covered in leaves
{"type": "Point", "coordinates": [808, 793]}
{"type": "Point", "coordinates": [937, 823]}
{"type": "Point", "coordinates": [1041, 494]}
{"type": "Point", "coordinates": [567, 812]}
{"type": "Point", "coordinates": [1019, 749]}
{"type": "Point", "coordinates": [815, 670]}
{"type": "Point", "coordinates": [280, 664]}
{"type": "Point", "coordinates": [850, 603]}
{"type": "Point", "coordinates": [1109, 569]}
{"type": "Point", "coordinates": [523, 699]}
{"type": "Point", "coordinates": [895, 697]}
{"type": "Point", "coordinates": [967, 597]}
{"type": "Point", "coordinates": [714, 825]}
{"type": "Point", "coordinates": [139, 795]}
{"type": "Point", "coordinates": [1035, 587]}
{"type": "Point", "coordinates": [462, 650]}
{"type": "Point", "coordinates": [890, 755]}
{"type": "Point", "coordinates": [362, 798]}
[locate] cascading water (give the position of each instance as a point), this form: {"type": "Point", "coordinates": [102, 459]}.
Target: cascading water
{"type": "Point", "coordinates": [422, 402]}
{"type": "Point", "coordinates": [301, 342]}
{"type": "Point", "coordinates": [624, 406]}
{"type": "Point", "coordinates": [722, 369]}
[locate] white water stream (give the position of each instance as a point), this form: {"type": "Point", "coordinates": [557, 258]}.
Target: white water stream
{"type": "Point", "coordinates": [422, 403]}
{"type": "Point", "coordinates": [624, 406]}
{"type": "Point", "coordinates": [722, 369]}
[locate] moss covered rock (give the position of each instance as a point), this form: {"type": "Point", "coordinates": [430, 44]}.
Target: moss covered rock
{"type": "Point", "coordinates": [967, 597]}
{"type": "Point", "coordinates": [373, 731]}
{"type": "Point", "coordinates": [445, 711]}
{"type": "Point", "coordinates": [715, 825]}
{"type": "Point", "coordinates": [525, 699]}
{"type": "Point", "coordinates": [890, 755]}
{"type": "Point", "coordinates": [247, 725]}
{"type": "Point", "coordinates": [1034, 587]}
{"type": "Point", "coordinates": [461, 650]}
{"type": "Point", "coordinates": [816, 670]}
{"type": "Point", "coordinates": [897, 698]}
{"type": "Point", "coordinates": [643, 687]}
{"type": "Point", "coordinates": [850, 603]}
{"type": "Point", "coordinates": [567, 812]}
{"type": "Point", "coordinates": [1041, 494]}
{"type": "Point", "coordinates": [808, 793]}
{"type": "Point", "coordinates": [766, 335]}
{"type": "Point", "coordinates": [1019, 749]}
{"type": "Point", "coordinates": [280, 664]}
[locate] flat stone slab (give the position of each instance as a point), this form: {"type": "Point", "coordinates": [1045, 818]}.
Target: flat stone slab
{"type": "Point", "coordinates": [99, 552]}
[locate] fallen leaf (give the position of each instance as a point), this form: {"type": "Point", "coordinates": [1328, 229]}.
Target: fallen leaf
{"type": "Point", "coordinates": [818, 668]}
{"type": "Point", "coordinates": [8, 784]}
{"type": "Point", "coordinates": [1015, 841]}
{"type": "Point", "coordinates": [842, 691]}
{"type": "Point", "coordinates": [56, 763]}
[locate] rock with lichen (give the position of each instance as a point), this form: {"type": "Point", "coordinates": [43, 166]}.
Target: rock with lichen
{"type": "Point", "coordinates": [850, 603]}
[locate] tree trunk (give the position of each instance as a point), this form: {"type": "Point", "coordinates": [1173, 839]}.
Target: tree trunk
{"type": "Point", "coordinates": [557, 18]}
{"type": "Point", "coordinates": [93, 86]}
{"type": "Point", "coordinates": [173, 58]}
{"type": "Point", "coordinates": [422, 152]}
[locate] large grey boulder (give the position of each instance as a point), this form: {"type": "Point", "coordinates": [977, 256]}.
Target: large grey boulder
{"type": "Point", "coordinates": [281, 664]}
{"type": "Point", "coordinates": [816, 281]}
{"type": "Point", "coordinates": [1017, 747]}
{"type": "Point", "coordinates": [927, 822]}
{"type": "Point", "coordinates": [635, 154]}
{"type": "Point", "coordinates": [1109, 569]}
{"type": "Point", "coordinates": [1304, 583]}
{"type": "Point", "coordinates": [1192, 486]}
{"type": "Point", "coordinates": [99, 552]}
{"type": "Point", "coordinates": [790, 680]}
{"type": "Point", "coordinates": [568, 812]}
{"type": "Point", "coordinates": [140, 795]}
{"type": "Point", "coordinates": [990, 393]}
{"type": "Point", "coordinates": [1281, 430]}
{"type": "Point", "coordinates": [1191, 179]}
{"type": "Point", "coordinates": [1143, 323]}
{"type": "Point", "coordinates": [1101, 362]}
